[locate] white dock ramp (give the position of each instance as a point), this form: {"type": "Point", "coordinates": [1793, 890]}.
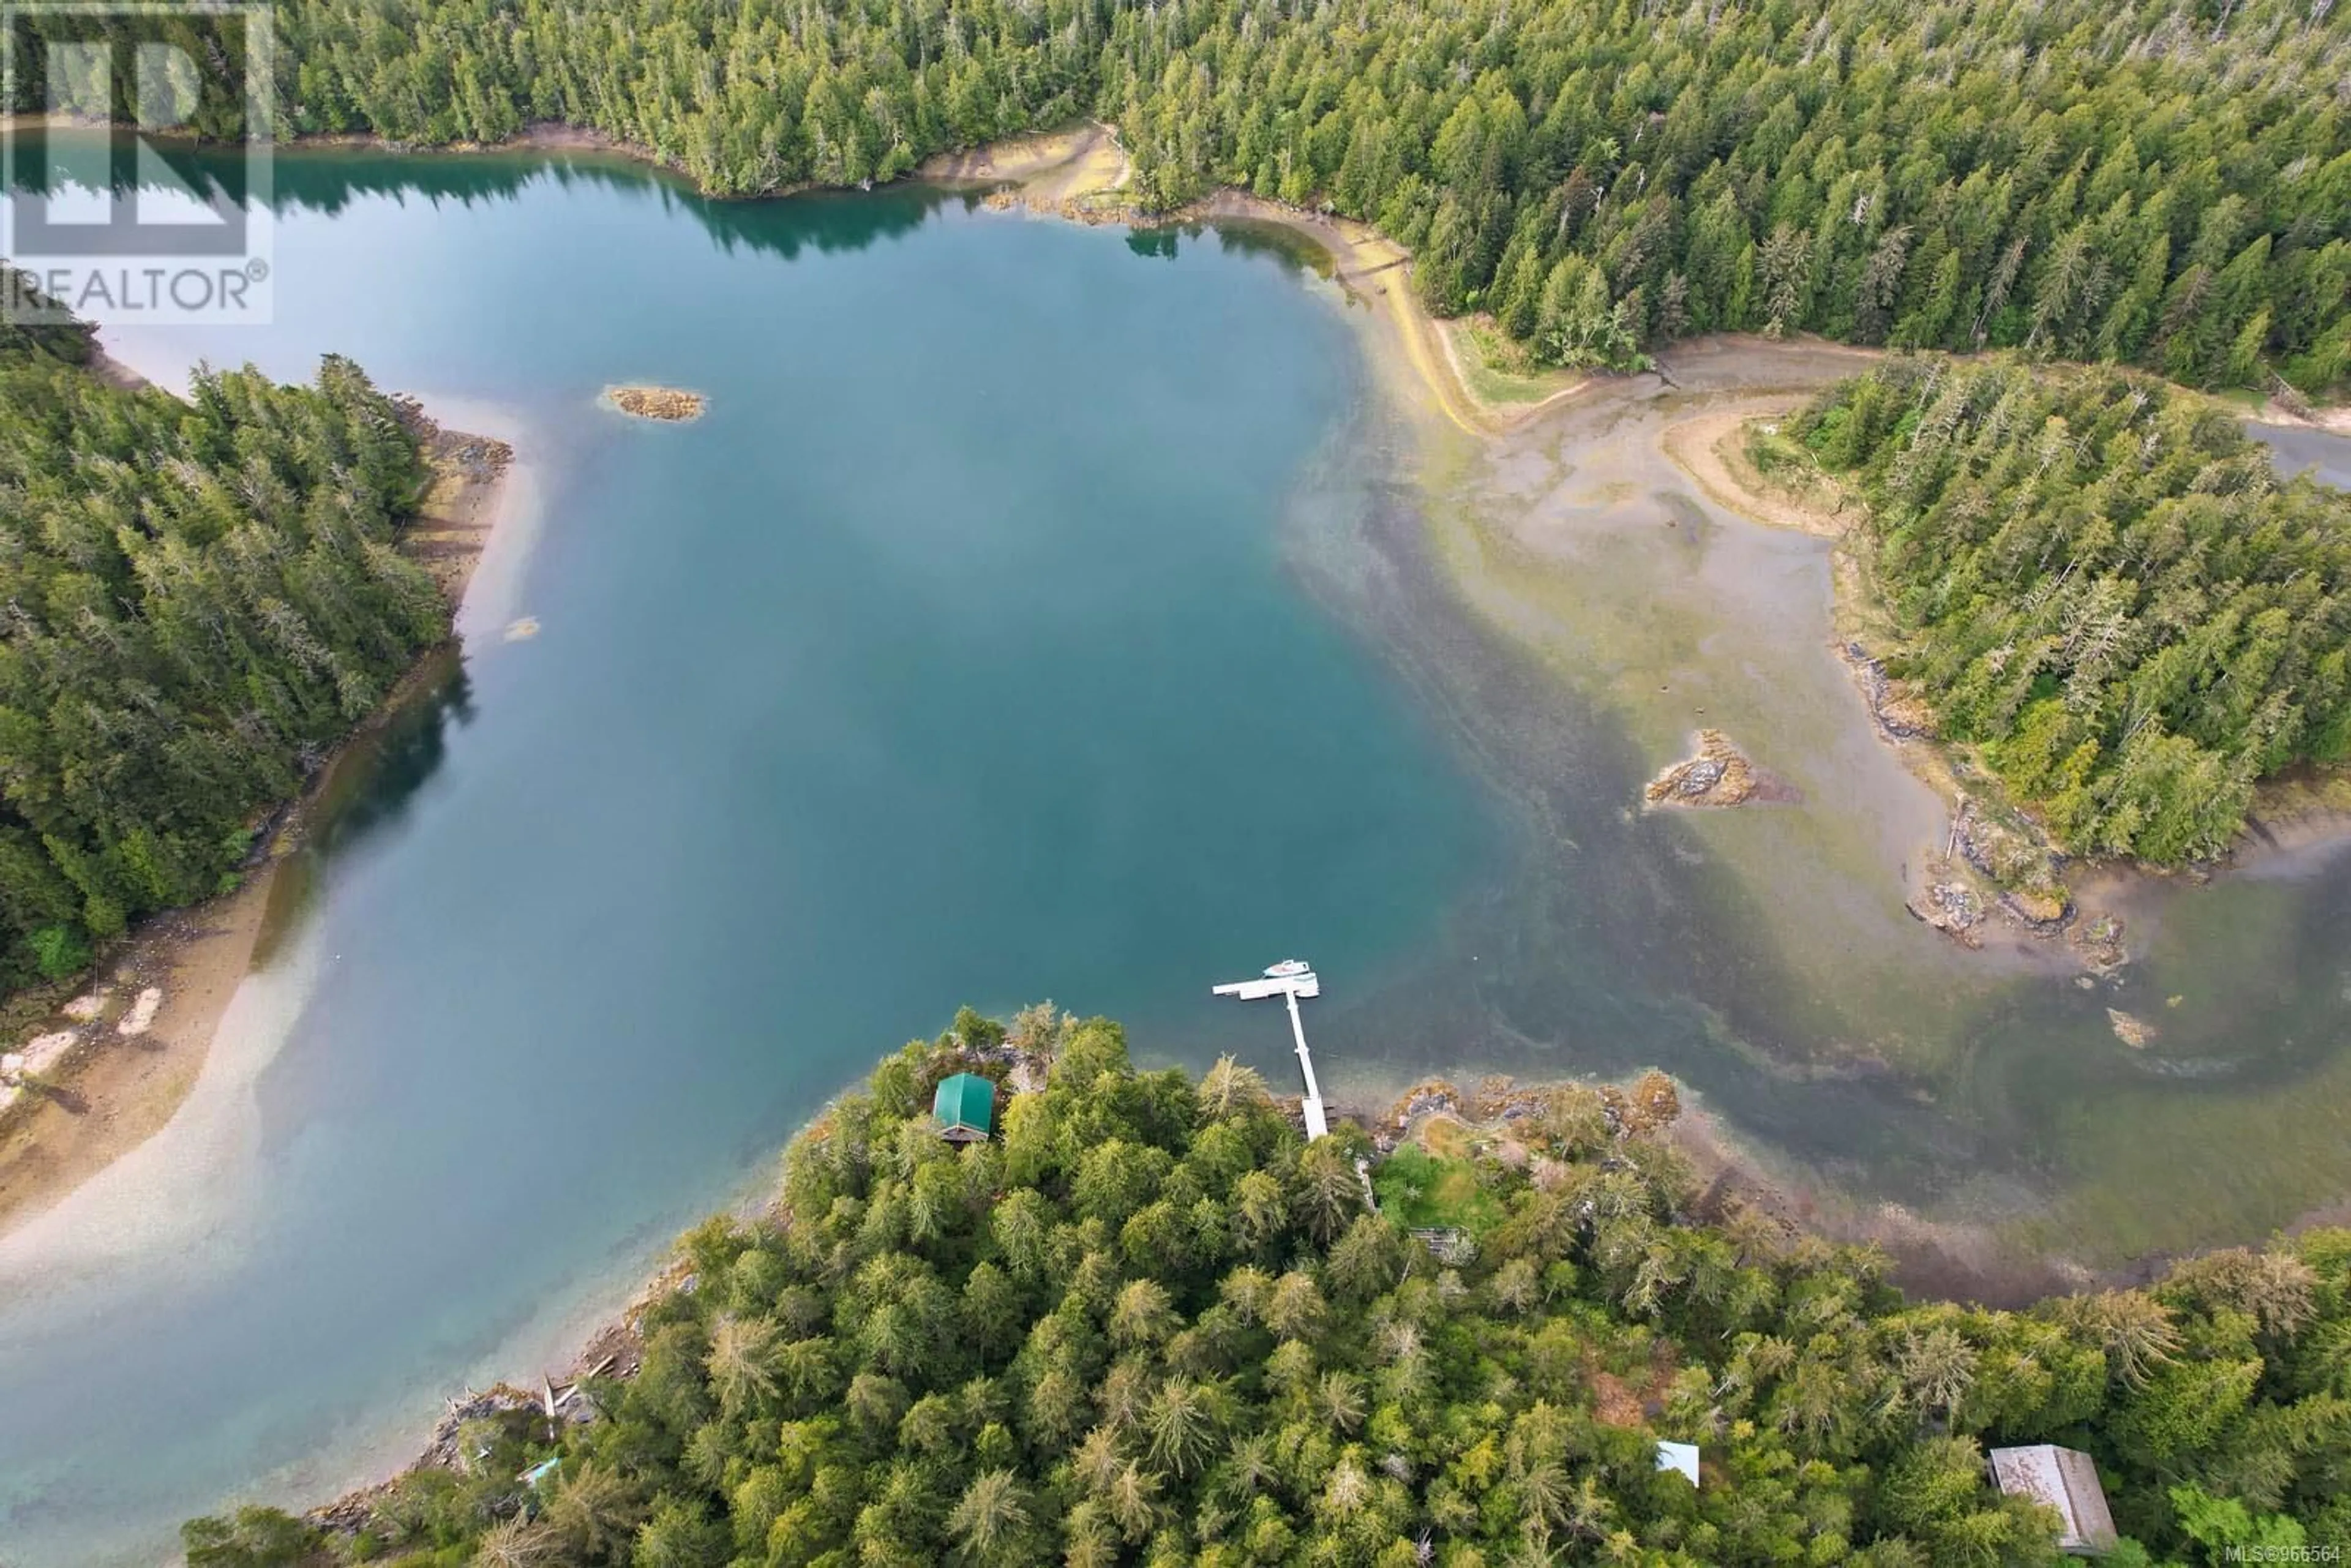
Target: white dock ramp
{"type": "Point", "coordinates": [1289, 980]}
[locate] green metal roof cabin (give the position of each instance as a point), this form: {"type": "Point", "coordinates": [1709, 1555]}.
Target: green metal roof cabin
{"type": "Point", "coordinates": [966, 1107]}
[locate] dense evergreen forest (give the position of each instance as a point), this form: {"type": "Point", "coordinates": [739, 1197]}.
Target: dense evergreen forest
{"type": "Point", "coordinates": [2103, 584]}
{"type": "Point", "coordinates": [1147, 1325]}
{"type": "Point", "coordinates": [199, 598]}
{"type": "Point", "coordinates": [2166, 182]}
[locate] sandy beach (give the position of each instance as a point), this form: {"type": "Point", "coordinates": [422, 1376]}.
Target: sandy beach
{"type": "Point", "coordinates": [116, 1092]}
{"type": "Point", "coordinates": [1708, 450]}
{"type": "Point", "coordinates": [123, 1077]}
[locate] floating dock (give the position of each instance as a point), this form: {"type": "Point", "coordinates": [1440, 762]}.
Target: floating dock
{"type": "Point", "coordinates": [1290, 988]}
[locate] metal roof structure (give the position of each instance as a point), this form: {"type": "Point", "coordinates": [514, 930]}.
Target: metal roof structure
{"type": "Point", "coordinates": [966, 1107]}
{"type": "Point", "coordinates": [2067, 1481]}
{"type": "Point", "coordinates": [1679, 1457]}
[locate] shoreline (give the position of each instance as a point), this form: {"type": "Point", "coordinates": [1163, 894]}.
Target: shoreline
{"type": "Point", "coordinates": [1081, 175]}
{"type": "Point", "coordinates": [1048, 169]}
{"type": "Point", "coordinates": [113, 1092]}
{"type": "Point", "coordinates": [115, 1087]}
{"type": "Point", "coordinates": [1930, 1259]}
{"type": "Point", "coordinates": [1077, 173]}
{"type": "Point", "coordinates": [1946, 1257]}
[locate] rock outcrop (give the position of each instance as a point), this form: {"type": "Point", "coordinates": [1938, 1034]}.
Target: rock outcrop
{"type": "Point", "coordinates": [1718, 775]}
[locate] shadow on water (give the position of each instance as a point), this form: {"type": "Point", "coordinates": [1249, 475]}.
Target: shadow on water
{"type": "Point", "coordinates": [386, 768]}
{"type": "Point", "coordinates": [329, 180]}
{"type": "Point", "coordinates": [370, 788]}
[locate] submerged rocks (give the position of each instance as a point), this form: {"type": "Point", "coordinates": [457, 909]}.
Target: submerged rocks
{"type": "Point", "coordinates": [2134, 1032]}
{"type": "Point", "coordinates": [2099, 941]}
{"type": "Point", "coordinates": [1718, 775]}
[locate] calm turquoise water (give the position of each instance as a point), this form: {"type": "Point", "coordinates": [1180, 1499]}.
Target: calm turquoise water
{"type": "Point", "coordinates": [953, 657]}
{"type": "Point", "coordinates": [1038, 611]}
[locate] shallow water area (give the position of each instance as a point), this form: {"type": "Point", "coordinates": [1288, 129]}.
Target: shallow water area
{"type": "Point", "coordinates": [1856, 1054]}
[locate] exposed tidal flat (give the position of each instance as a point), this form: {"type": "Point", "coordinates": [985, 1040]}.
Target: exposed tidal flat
{"type": "Point", "coordinates": [1045, 611]}
{"type": "Point", "coordinates": [2018, 1120]}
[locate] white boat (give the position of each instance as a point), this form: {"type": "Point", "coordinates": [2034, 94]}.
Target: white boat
{"type": "Point", "coordinates": [1289, 969]}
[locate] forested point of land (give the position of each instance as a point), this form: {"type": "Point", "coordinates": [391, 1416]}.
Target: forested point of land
{"type": "Point", "coordinates": [2165, 183]}
{"type": "Point", "coordinates": [1148, 1324]}
{"type": "Point", "coordinates": [200, 598]}
{"type": "Point", "coordinates": [2102, 585]}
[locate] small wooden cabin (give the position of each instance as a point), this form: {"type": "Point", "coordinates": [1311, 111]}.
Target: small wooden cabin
{"type": "Point", "coordinates": [966, 1107]}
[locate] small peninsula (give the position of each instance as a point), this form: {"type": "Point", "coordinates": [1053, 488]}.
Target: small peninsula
{"type": "Point", "coordinates": [1136, 1313]}
{"type": "Point", "coordinates": [2081, 601]}
{"type": "Point", "coordinates": [134, 909]}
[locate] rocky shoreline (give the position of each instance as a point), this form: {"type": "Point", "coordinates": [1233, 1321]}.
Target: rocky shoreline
{"type": "Point", "coordinates": [574, 1399]}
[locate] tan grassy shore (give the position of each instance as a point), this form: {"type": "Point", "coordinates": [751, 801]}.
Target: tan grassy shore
{"type": "Point", "coordinates": [112, 1090]}
{"type": "Point", "coordinates": [1377, 271]}
{"type": "Point", "coordinates": [1080, 168]}
{"type": "Point", "coordinates": [2295, 410]}
{"type": "Point", "coordinates": [115, 1091]}
{"type": "Point", "coordinates": [1448, 369]}
{"type": "Point", "coordinates": [1711, 448]}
